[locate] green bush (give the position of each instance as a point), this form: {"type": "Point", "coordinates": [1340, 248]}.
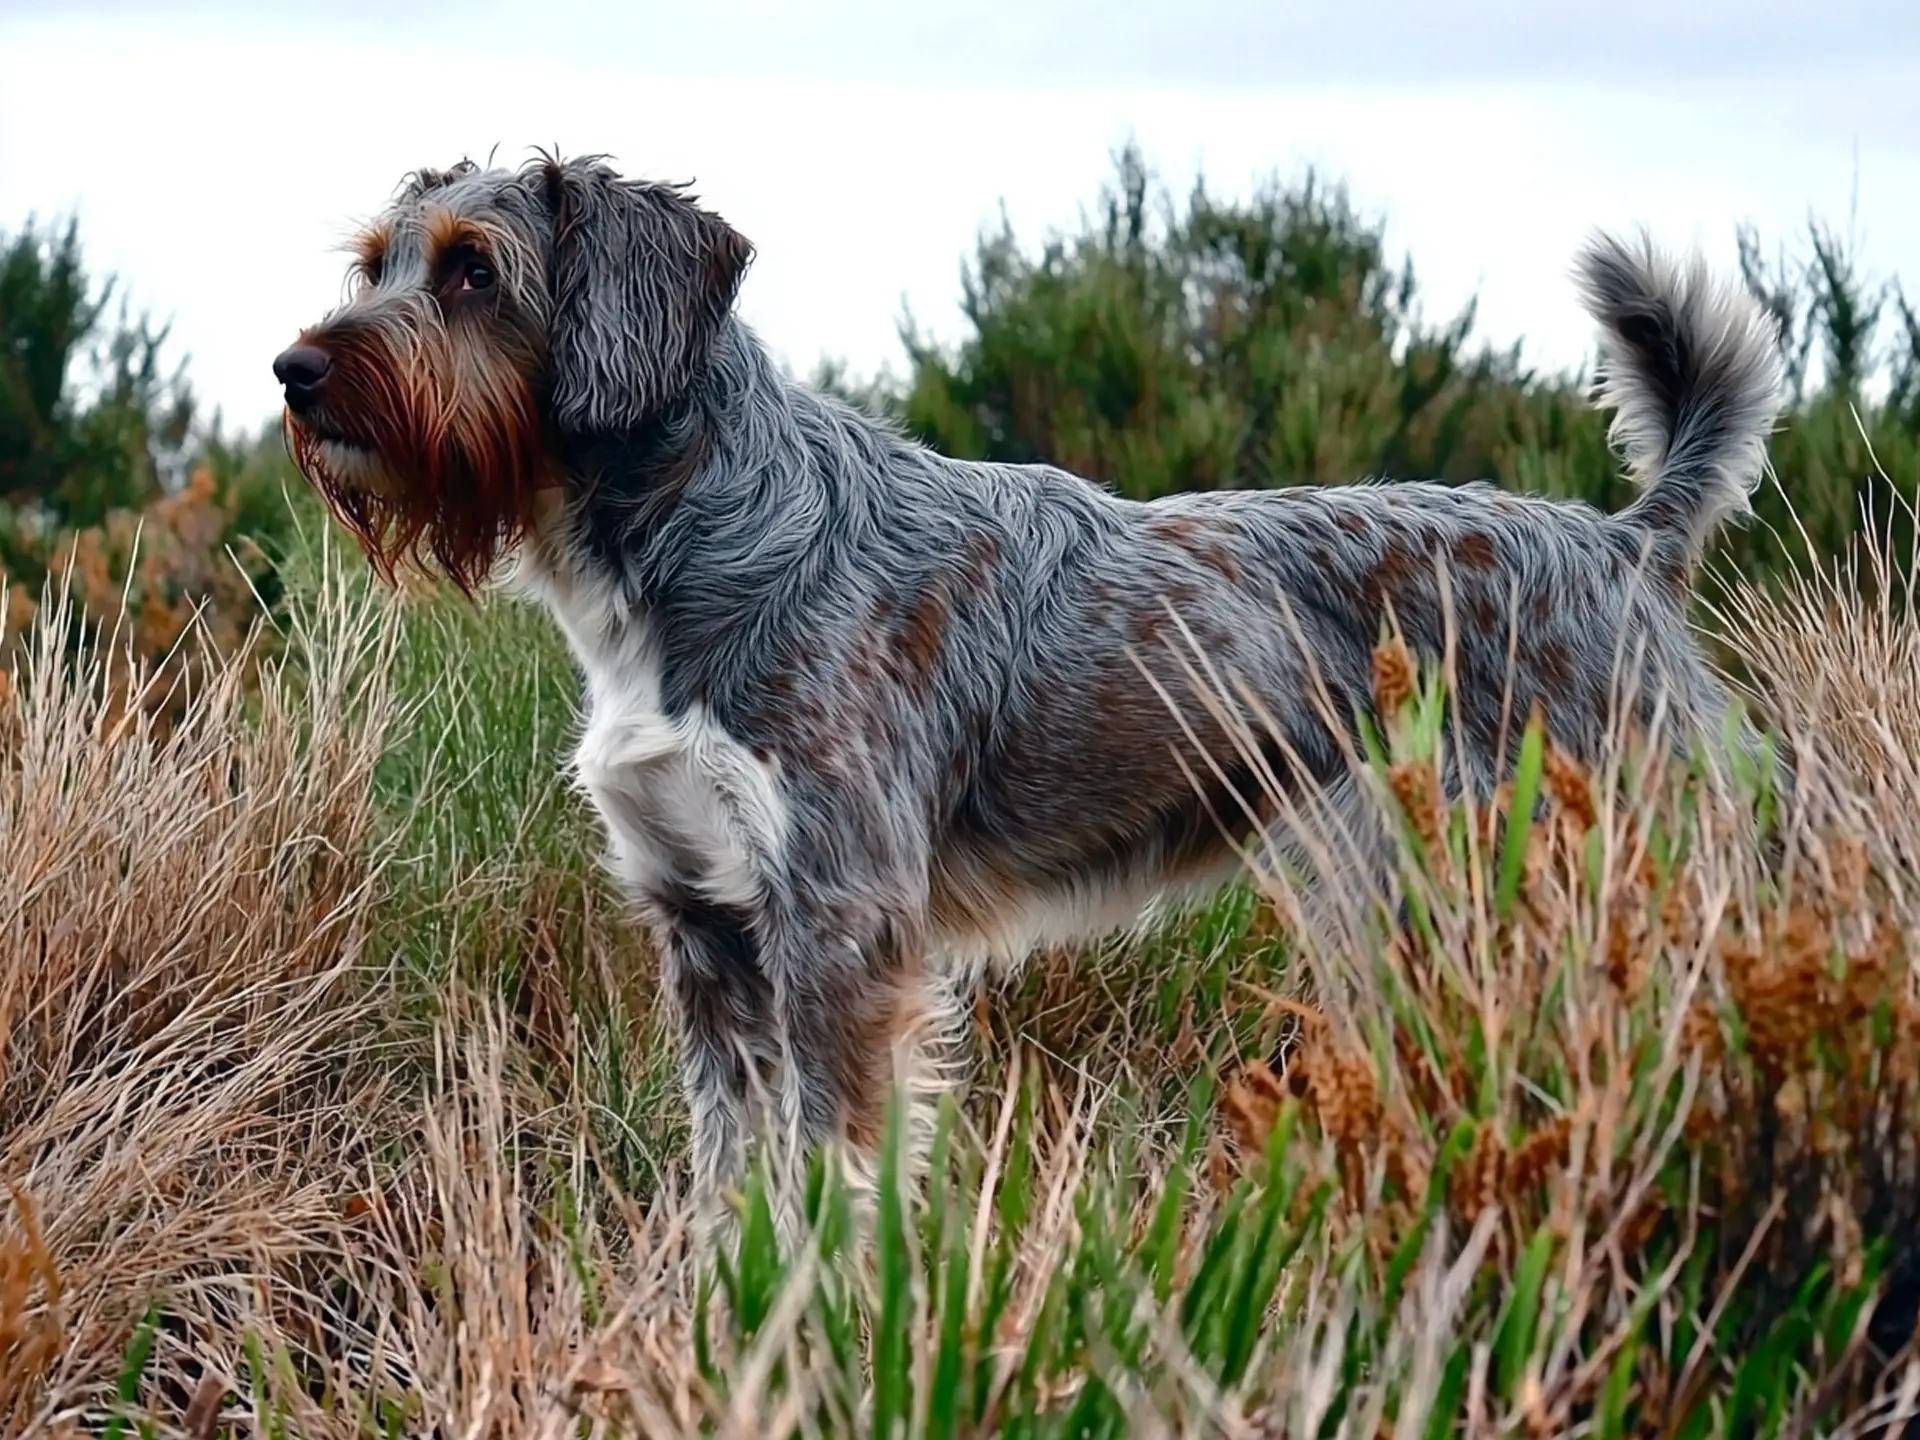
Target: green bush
{"type": "Point", "coordinates": [88, 423]}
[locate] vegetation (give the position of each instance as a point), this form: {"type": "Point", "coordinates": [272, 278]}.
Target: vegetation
{"type": "Point", "coordinates": [116, 500]}
{"type": "Point", "coordinates": [336, 1099]}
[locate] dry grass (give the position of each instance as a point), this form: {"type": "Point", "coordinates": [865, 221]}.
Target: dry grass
{"type": "Point", "coordinates": [331, 1103]}
{"type": "Point", "coordinates": [185, 1094]}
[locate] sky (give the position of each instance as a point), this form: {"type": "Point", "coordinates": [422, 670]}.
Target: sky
{"type": "Point", "coordinates": [217, 152]}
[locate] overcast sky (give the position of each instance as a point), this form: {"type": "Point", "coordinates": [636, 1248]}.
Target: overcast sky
{"type": "Point", "coordinates": [217, 151]}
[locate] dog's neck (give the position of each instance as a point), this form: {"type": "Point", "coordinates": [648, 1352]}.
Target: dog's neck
{"type": "Point", "coordinates": [665, 530]}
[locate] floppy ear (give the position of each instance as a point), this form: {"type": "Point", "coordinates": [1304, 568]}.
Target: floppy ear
{"type": "Point", "coordinates": [642, 280]}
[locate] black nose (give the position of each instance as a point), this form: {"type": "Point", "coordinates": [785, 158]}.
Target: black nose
{"type": "Point", "coordinates": [302, 369]}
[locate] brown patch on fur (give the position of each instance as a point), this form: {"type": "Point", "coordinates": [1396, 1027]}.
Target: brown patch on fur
{"type": "Point", "coordinates": [1201, 830]}
{"type": "Point", "coordinates": [1200, 539]}
{"type": "Point", "coordinates": [465, 458]}
{"type": "Point", "coordinates": [1475, 552]}
{"type": "Point", "coordinates": [1556, 666]}
{"type": "Point", "coordinates": [1117, 697]}
{"type": "Point", "coordinates": [1148, 621]}
{"type": "Point", "coordinates": [446, 231]}
{"type": "Point", "coordinates": [1396, 571]}
{"type": "Point", "coordinates": [916, 644]}
{"type": "Point", "coordinates": [977, 561]}
{"type": "Point", "coordinates": [1146, 627]}
{"type": "Point", "coordinates": [864, 1120]}
{"type": "Point", "coordinates": [863, 662]}
{"type": "Point", "coordinates": [1349, 521]}
{"type": "Point", "coordinates": [370, 248]}
{"type": "Point", "coordinates": [1174, 529]}
{"type": "Point", "coordinates": [1221, 559]}
{"type": "Point", "coordinates": [1482, 613]}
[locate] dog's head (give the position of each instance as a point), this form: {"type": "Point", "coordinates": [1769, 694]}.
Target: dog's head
{"type": "Point", "coordinates": [495, 315]}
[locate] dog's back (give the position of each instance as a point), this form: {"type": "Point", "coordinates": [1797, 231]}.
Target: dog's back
{"type": "Point", "coordinates": [1067, 801]}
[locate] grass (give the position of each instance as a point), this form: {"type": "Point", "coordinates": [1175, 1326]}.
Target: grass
{"type": "Point", "coordinates": [336, 1100]}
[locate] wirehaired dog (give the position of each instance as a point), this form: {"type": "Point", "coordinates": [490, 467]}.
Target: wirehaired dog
{"type": "Point", "coordinates": [861, 718]}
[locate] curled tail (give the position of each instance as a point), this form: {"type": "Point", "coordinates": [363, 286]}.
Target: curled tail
{"type": "Point", "coordinates": [1691, 370]}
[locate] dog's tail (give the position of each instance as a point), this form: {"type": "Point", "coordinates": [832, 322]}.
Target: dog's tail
{"type": "Point", "coordinates": [1692, 372]}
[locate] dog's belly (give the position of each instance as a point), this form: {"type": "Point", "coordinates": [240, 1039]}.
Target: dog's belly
{"type": "Point", "coordinates": [982, 924]}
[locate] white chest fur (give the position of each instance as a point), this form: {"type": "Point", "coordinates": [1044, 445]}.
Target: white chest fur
{"type": "Point", "coordinates": [684, 802]}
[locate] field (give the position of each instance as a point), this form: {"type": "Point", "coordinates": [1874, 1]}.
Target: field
{"type": "Point", "coordinates": [336, 1098]}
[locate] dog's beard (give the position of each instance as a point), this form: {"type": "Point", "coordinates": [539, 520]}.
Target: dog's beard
{"type": "Point", "coordinates": [450, 496]}
{"type": "Point", "coordinates": [343, 465]}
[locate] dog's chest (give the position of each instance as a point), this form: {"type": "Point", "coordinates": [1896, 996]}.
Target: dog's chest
{"type": "Point", "coordinates": [684, 803]}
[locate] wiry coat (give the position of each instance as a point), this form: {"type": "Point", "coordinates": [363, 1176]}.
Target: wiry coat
{"type": "Point", "coordinates": [854, 707]}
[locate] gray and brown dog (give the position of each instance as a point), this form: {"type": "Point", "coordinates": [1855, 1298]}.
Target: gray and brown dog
{"type": "Point", "coordinates": [862, 718]}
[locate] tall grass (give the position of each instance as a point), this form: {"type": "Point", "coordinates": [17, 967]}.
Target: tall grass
{"type": "Point", "coordinates": [187, 1093]}
{"type": "Point", "coordinates": [335, 1098]}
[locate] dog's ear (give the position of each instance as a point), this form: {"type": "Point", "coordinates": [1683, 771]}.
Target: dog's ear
{"type": "Point", "coordinates": [643, 278]}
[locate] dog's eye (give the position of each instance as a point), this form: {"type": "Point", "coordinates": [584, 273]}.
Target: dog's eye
{"type": "Point", "coordinates": [476, 275]}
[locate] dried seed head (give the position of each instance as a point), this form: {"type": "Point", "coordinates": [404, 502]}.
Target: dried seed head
{"type": "Point", "coordinates": [1539, 1155]}
{"type": "Point", "coordinates": [1628, 953]}
{"type": "Point", "coordinates": [1700, 1031]}
{"type": "Point", "coordinates": [1252, 1106]}
{"type": "Point", "coordinates": [1640, 1225]}
{"type": "Point", "coordinates": [1416, 787]}
{"type": "Point", "coordinates": [1475, 1182]}
{"type": "Point", "coordinates": [1220, 1170]}
{"type": "Point", "coordinates": [1567, 782]}
{"type": "Point", "coordinates": [1393, 677]}
{"type": "Point", "coordinates": [1344, 1096]}
{"type": "Point", "coordinates": [1847, 857]}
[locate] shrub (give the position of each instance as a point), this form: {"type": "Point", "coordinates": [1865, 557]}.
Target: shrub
{"type": "Point", "coordinates": [111, 489]}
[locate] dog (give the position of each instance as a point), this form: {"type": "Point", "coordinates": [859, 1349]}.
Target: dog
{"type": "Point", "coordinates": [862, 719]}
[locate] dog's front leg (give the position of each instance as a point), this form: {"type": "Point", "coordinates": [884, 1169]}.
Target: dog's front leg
{"type": "Point", "coordinates": [728, 1031]}
{"type": "Point", "coordinates": [697, 825]}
